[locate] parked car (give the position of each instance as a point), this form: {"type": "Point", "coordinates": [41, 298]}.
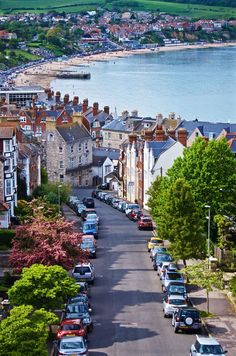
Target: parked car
{"type": "Point", "coordinates": [160, 258]}
{"type": "Point", "coordinates": [104, 186]}
{"type": "Point", "coordinates": [83, 288]}
{"type": "Point", "coordinates": [171, 267]}
{"type": "Point", "coordinates": [177, 288]}
{"type": "Point", "coordinates": [89, 237]}
{"type": "Point", "coordinates": [81, 298]}
{"type": "Point", "coordinates": [84, 272]}
{"type": "Point", "coordinates": [134, 213]}
{"type": "Point", "coordinates": [89, 202]}
{"type": "Point", "coordinates": [79, 311]}
{"type": "Point", "coordinates": [145, 223]}
{"type": "Point", "coordinates": [88, 246]}
{"type": "Point", "coordinates": [90, 229]}
{"type": "Point", "coordinates": [171, 277]}
{"type": "Point", "coordinates": [153, 242]}
{"type": "Point", "coordinates": [171, 302]}
{"type": "Point", "coordinates": [187, 318]}
{"type": "Point", "coordinates": [157, 250]}
{"type": "Point", "coordinates": [79, 209]}
{"type": "Point", "coordinates": [121, 206]}
{"type": "Point", "coordinates": [204, 346]}
{"type": "Point", "coordinates": [92, 216]}
{"type": "Point", "coordinates": [72, 346]}
{"type": "Point", "coordinates": [161, 268]}
{"type": "Point", "coordinates": [72, 327]}
{"type": "Point", "coordinates": [129, 207]}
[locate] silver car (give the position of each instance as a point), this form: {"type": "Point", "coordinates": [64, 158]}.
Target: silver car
{"type": "Point", "coordinates": [204, 346]}
{"type": "Point", "coordinates": [75, 345]}
{"type": "Point", "coordinates": [171, 303]}
{"type": "Point", "coordinates": [84, 272]}
{"type": "Point", "coordinates": [171, 277]}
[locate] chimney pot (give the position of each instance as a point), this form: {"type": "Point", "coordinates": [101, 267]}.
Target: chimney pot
{"type": "Point", "coordinates": [85, 105]}
{"type": "Point", "coordinates": [107, 110]}
{"type": "Point", "coordinates": [95, 109]}
{"type": "Point", "coordinates": [182, 136]}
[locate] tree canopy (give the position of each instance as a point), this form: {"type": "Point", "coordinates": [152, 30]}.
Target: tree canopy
{"type": "Point", "coordinates": [46, 242]}
{"type": "Point", "coordinates": [25, 331]}
{"type": "Point", "coordinates": [43, 287]}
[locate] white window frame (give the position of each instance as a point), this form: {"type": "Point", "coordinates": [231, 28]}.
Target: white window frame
{"type": "Point", "coordinates": [61, 164]}
{"type": "Point", "coordinates": [7, 146]}
{"type": "Point", "coordinates": [8, 187]}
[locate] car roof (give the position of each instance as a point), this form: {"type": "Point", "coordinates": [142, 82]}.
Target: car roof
{"type": "Point", "coordinates": [176, 296]}
{"type": "Point", "coordinates": [72, 338]}
{"type": "Point", "coordinates": [71, 321]}
{"type": "Point", "coordinates": [83, 264]}
{"type": "Point", "coordinates": [207, 340]}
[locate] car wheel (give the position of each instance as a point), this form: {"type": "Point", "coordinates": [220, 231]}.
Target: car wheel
{"type": "Point", "coordinates": [149, 250]}
{"type": "Point", "coordinates": [176, 329]}
{"type": "Point", "coordinates": [165, 316]}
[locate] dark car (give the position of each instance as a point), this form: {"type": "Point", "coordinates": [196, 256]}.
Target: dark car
{"type": "Point", "coordinates": [79, 311]}
{"type": "Point", "coordinates": [104, 186]}
{"type": "Point", "coordinates": [161, 258]}
{"type": "Point", "coordinates": [89, 202]}
{"type": "Point", "coordinates": [81, 298]}
{"type": "Point", "coordinates": [90, 247]}
{"type": "Point", "coordinates": [187, 318]}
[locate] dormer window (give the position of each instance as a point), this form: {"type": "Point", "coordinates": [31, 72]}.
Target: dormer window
{"type": "Point", "coordinates": [196, 134]}
{"type": "Point", "coordinates": [71, 149]}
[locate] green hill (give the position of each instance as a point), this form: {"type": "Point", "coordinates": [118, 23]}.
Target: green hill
{"type": "Point", "coordinates": [191, 8]}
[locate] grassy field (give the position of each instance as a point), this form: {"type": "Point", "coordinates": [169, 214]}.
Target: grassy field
{"type": "Point", "coordinates": [69, 6]}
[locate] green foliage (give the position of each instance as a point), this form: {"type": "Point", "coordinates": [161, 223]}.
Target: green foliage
{"type": "Point", "coordinates": [25, 331]}
{"type": "Point", "coordinates": [232, 285]}
{"type": "Point", "coordinates": [6, 237]}
{"type": "Point", "coordinates": [46, 190]}
{"type": "Point", "coordinates": [225, 232]}
{"type": "Point", "coordinates": [42, 286]}
{"type": "Point", "coordinates": [44, 176]}
{"type": "Point", "coordinates": [203, 277]}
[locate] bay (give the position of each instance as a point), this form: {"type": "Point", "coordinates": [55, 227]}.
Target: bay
{"type": "Point", "coordinates": [192, 83]}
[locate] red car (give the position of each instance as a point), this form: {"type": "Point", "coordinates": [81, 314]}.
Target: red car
{"type": "Point", "coordinates": [145, 223]}
{"type": "Point", "coordinates": [72, 327]}
{"type": "Point", "coordinates": [134, 214]}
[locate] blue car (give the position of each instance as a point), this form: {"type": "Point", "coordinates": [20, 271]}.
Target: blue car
{"type": "Point", "coordinates": [90, 229]}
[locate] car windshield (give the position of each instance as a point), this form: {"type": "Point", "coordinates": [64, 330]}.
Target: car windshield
{"type": "Point", "coordinates": [159, 249]}
{"type": "Point", "coordinates": [211, 349]}
{"type": "Point", "coordinates": [89, 226]}
{"type": "Point", "coordinates": [92, 216]}
{"type": "Point", "coordinates": [163, 257]}
{"type": "Point", "coordinates": [173, 276]}
{"type": "Point", "coordinates": [177, 289]}
{"type": "Point", "coordinates": [87, 244]}
{"type": "Point", "coordinates": [176, 301]}
{"type": "Point", "coordinates": [71, 327]}
{"type": "Point", "coordinates": [82, 270]}
{"type": "Point", "coordinates": [192, 313]}
{"type": "Point", "coordinates": [76, 308]}
{"type": "Point", "coordinates": [156, 241]}
{"type": "Point", "coordinates": [133, 206]}
{"type": "Point", "coordinates": [67, 345]}
{"type": "Point", "coordinates": [146, 220]}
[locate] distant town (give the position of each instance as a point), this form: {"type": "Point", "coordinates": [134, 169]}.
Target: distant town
{"type": "Point", "coordinates": [54, 35]}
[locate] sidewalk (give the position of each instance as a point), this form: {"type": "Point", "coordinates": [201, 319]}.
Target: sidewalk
{"type": "Point", "coordinates": [223, 325]}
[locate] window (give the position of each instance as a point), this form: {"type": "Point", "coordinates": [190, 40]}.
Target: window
{"type": "Point", "coordinates": [61, 178]}
{"type": "Point", "coordinates": [72, 162]}
{"type": "Point", "coordinates": [80, 161]}
{"type": "Point", "coordinates": [120, 136]}
{"type": "Point", "coordinates": [60, 149]}
{"type": "Point", "coordinates": [109, 145]}
{"type": "Point", "coordinates": [107, 169]}
{"type": "Point", "coordinates": [109, 135]}
{"type": "Point", "coordinates": [7, 144]}
{"type": "Point", "coordinates": [80, 147]}
{"type": "Point", "coordinates": [8, 189]}
{"type": "Point", "coordinates": [93, 134]}
{"type": "Point", "coordinates": [196, 134]}
{"type": "Point", "coordinates": [50, 137]}
{"type": "Point", "coordinates": [86, 145]}
{"type": "Point", "coordinates": [61, 164]}
{"type": "Point", "coordinates": [71, 149]}
{"type": "Point", "coordinates": [7, 165]}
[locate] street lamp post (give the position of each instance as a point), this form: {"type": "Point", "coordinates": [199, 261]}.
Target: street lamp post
{"type": "Point", "coordinates": [208, 232]}
{"type": "Point", "coordinates": [59, 198]}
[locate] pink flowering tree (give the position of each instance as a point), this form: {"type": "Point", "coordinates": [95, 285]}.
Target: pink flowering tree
{"type": "Point", "coordinates": [48, 243]}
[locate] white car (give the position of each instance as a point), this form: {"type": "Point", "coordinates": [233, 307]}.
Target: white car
{"type": "Point", "coordinates": [171, 303]}
{"type": "Point", "coordinates": [130, 207]}
{"type": "Point", "coordinates": [171, 277]}
{"type": "Point", "coordinates": [162, 267]}
{"type": "Point", "coordinates": [204, 346]}
{"type": "Point", "coordinates": [92, 216]}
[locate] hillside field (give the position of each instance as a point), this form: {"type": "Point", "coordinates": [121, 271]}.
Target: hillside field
{"type": "Point", "coordinates": [69, 6]}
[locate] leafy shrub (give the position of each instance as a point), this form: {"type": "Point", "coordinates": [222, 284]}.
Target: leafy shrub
{"type": "Point", "coordinates": [6, 237]}
{"type": "Point", "coordinates": [232, 285]}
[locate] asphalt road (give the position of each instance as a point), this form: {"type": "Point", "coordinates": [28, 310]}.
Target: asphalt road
{"type": "Point", "coordinates": [126, 296]}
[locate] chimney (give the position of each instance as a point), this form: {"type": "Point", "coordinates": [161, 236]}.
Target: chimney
{"type": "Point", "coordinates": [148, 135]}
{"type": "Point", "coordinates": [85, 105]}
{"type": "Point", "coordinates": [95, 109]}
{"type": "Point", "coordinates": [160, 135]}
{"type": "Point", "coordinates": [132, 138]}
{"type": "Point", "coordinates": [75, 101]}
{"type": "Point", "coordinates": [171, 115]}
{"type": "Point", "coordinates": [58, 97]}
{"type": "Point", "coordinates": [159, 119]}
{"type": "Point", "coordinates": [134, 113]}
{"type": "Point", "coordinates": [171, 133]}
{"type": "Point", "coordinates": [125, 114]}
{"type": "Point", "coordinates": [182, 136]}
{"type": "Point", "coordinates": [107, 110]}
{"type": "Point", "coordinates": [66, 99]}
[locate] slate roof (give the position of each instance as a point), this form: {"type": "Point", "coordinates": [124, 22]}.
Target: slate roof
{"type": "Point", "coordinates": [73, 133]}
{"type": "Point", "coordinates": [101, 116]}
{"type": "Point", "coordinates": [117, 125]}
{"type": "Point", "coordinates": [98, 161]}
{"type": "Point", "coordinates": [158, 147]}
{"type": "Point", "coordinates": [207, 128]}
{"type": "Point", "coordinates": [106, 152]}
{"type": "Point", "coordinates": [232, 144]}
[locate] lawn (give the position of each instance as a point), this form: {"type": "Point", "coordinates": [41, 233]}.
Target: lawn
{"type": "Point", "coordinates": [192, 10]}
{"type": "Point", "coordinates": [26, 55]}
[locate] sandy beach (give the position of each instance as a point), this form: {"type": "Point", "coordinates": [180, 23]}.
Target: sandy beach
{"type": "Point", "coordinates": [44, 74]}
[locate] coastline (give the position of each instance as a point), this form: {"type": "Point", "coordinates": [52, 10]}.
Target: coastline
{"type": "Point", "coordinates": [44, 74]}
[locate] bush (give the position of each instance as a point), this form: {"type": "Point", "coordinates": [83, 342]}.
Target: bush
{"type": "Point", "coordinates": [6, 237]}
{"type": "Point", "coordinates": [232, 285]}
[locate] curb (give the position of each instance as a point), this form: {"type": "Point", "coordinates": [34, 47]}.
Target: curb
{"type": "Point", "coordinates": [203, 321]}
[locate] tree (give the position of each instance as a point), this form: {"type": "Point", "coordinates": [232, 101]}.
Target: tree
{"type": "Point", "coordinates": [179, 220]}
{"type": "Point", "coordinates": [25, 331]}
{"type": "Point", "coordinates": [210, 185]}
{"type": "Point", "coordinates": [47, 287]}
{"type": "Point", "coordinates": [51, 242]}
{"type": "Point", "coordinates": [203, 277]}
